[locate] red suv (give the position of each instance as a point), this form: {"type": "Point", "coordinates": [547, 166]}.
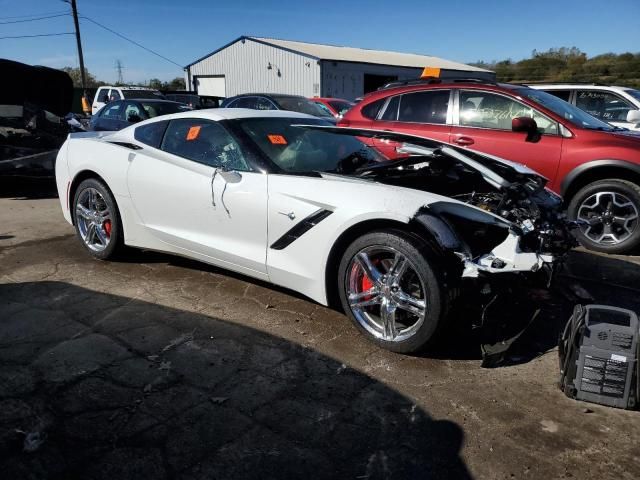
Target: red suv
{"type": "Point", "coordinates": [595, 166]}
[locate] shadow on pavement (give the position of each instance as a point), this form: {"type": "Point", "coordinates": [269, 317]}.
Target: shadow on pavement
{"type": "Point", "coordinates": [99, 386]}
{"type": "Point", "coordinates": [22, 188]}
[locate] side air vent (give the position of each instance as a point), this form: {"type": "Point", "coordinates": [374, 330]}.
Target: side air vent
{"type": "Point", "coordinates": [300, 229]}
{"type": "Point", "coordinates": [131, 146]}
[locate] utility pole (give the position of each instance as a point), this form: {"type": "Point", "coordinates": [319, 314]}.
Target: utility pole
{"type": "Point", "coordinates": [119, 69]}
{"type": "Point", "coordinates": [74, 11]}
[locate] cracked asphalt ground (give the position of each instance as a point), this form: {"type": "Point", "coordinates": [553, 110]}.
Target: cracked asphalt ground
{"type": "Point", "coordinates": [157, 367]}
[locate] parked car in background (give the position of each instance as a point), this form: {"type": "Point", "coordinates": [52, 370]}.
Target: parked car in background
{"type": "Point", "coordinates": [273, 101]}
{"type": "Point", "coordinates": [122, 113]}
{"type": "Point", "coordinates": [108, 94]}
{"type": "Point", "coordinates": [309, 207]}
{"type": "Point", "coordinates": [593, 164]}
{"type": "Point", "coordinates": [619, 106]}
{"type": "Point", "coordinates": [194, 100]}
{"type": "Point", "coordinates": [335, 106]}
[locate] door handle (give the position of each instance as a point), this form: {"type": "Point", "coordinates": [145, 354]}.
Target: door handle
{"type": "Point", "coordinates": [463, 141]}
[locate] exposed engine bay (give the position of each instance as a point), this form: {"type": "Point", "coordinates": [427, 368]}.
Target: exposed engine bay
{"type": "Point", "coordinates": [524, 226]}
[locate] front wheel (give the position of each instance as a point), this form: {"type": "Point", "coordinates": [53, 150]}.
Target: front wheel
{"type": "Point", "coordinates": [97, 219]}
{"type": "Point", "coordinates": [608, 214]}
{"type": "Point", "coordinates": [391, 291]}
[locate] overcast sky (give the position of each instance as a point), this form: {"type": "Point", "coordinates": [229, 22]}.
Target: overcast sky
{"type": "Point", "coordinates": [182, 31]}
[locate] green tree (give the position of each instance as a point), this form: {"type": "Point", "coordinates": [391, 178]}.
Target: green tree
{"type": "Point", "coordinates": [569, 64]}
{"type": "Point", "coordinates": [76, 77]}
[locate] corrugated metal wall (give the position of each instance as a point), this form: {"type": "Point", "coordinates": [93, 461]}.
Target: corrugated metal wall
{"type": "Point", "coordinates": [346, 80]}
{"type": "Point", "coordinates": [244, 65]}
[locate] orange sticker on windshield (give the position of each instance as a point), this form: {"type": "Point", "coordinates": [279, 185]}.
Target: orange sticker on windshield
{"type": "Point", "coordinates": [193, 132]}
{"type": "Point", "coordinates": [277, 139]}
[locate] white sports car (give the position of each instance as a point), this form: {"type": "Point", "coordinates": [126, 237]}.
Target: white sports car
{"type": "Point", "coordinates": [290, 199]}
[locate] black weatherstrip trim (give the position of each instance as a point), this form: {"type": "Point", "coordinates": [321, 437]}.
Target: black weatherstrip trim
{"type": "Point", "coordinates": [131, 146]}
{"type": "Point", "coordinates": [300, 229]}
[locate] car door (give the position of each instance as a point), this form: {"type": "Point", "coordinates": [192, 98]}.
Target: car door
{"type": "Point", "coordinates": [424, 113]}
{"type": "Point", "coordinates": [185, 200]}
{"type": "Point", "coordinates": [482, 122]}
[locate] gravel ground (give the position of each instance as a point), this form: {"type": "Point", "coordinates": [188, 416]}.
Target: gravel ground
{"type": "Point", "coordinates": [160, 367]}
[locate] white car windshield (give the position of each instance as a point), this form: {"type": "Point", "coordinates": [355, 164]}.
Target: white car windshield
{"type": "Point", "coordinates": [296, 149]}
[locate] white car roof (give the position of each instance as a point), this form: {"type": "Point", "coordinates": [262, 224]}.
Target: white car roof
{"type": "Point", "coordinates": [217, 114]}
{"type": "Point", "coordinates": [564, 86]}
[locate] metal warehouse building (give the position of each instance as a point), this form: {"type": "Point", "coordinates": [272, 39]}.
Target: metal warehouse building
{"type": "Point", "coordinates": [253, 64]}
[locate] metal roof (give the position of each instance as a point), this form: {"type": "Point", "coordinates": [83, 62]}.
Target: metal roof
{"type": "Point", "coordinates": [320, 51]}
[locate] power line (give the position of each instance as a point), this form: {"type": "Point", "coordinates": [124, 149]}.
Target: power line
{"type": "Point", "coordinates": [131, 41]}
{"type": "Point", "coordinates": [39, 35]}
{"type": "Point", "coordinates": [34, 19]}
{"type": "Point", "coordinates": [33, 15]}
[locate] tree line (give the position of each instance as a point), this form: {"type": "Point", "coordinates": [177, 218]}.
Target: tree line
{"type": "Point", "coordinates": [569, 65]}
{"type": "Point", "coordinates": [92, 82]}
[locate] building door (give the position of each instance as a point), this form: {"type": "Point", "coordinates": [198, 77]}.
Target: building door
{"type": "Point", "coordinates": [210, 85]}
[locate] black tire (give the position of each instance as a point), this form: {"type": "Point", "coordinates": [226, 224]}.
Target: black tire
{"type": "Point", "coordinates": [420, 256]}
{"type": "Point", "coordinates": [115, 245]}
{"type": "Point", "coordinates": [629, 242]}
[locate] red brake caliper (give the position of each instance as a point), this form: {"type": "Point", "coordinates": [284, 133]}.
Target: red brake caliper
{"type": "Point", "coordinates": [366, 285]}
{"type": "Point", "coordinates": [107, 227]}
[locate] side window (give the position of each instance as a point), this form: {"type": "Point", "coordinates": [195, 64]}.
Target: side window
{"type": "Point", "coordinates": [561, 94]}
{"type": "Point", "coordinates": [103, 95]}
{"type": "Point", "coordinates": [390, 113]}
{"type": "Point", "coordinates": [112, 111]}
{"type": "Point", "coordinates": [132, 112]}
{"type": "Point", "coordinates": [603, 105]}
{"type": "Point", "coordinates": [151, 134]}
{"type": "Point", "coordinates": [371, 111]}
{"type": "Point", "coordinates": [324, 108]}
{"type": "Point", "coordinates": [204, 142]}
{"type": "Point", "coordinates": [424, 107]}
{"type": "Point", "coordinates": [488, 110]}
{"type": "Point", "coordinates": [114, 95]}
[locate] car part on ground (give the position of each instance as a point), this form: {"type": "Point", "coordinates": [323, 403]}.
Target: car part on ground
{"type": "Point", "coordinates": [291, 199]}
{"type": "Point", "coordinates": [562, 142]}
{"type": "Point", "coordinates": [599, 351]}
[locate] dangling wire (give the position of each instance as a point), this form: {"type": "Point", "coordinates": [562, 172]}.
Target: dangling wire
{"type": "Point", "coordinates": [222, 199]}
{"type": "Point", "coordinates": [213, 195]}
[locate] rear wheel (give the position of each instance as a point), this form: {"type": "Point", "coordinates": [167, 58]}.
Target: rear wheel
{"type": "Point", "coordinates": [97, 219]}
{"type": "Point", "coordinates": [608, 211]}
{"type": "Point", "coordinates": [390, 290]}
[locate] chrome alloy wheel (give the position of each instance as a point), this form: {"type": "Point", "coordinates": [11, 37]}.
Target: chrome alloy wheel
{"type": "Point", "coordinates": [610, 217]}
{"type": "Point", "coordinates": [385, 293]}
{"type": "Point", "coordinates": [93, 219]}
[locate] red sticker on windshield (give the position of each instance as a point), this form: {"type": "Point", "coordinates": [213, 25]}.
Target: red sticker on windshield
{"type": "Point", "coordinates": [277, 139]}
{"type": "Point", "coordinates": [193, 132]}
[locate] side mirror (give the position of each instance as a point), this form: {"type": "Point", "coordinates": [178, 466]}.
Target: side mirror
{"type": "Point", "coordinates": [230, 176]}
{"type": "Point", "coordinates": [526, 125]}
{"type": "Point", "coordinates": [633, 116]}
{"type": "Point", "coordinates": [133, 118]}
